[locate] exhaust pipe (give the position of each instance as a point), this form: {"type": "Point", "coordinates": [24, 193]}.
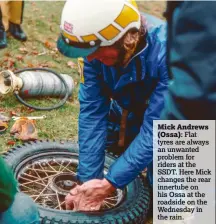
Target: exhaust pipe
{"type": "Point", "coordinates": [33, 82]}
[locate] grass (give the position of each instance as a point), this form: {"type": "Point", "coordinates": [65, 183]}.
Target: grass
{"type": "Point", "coordinates": [155, 8]}
{"type": "Point", "coordinates": [41, 23]}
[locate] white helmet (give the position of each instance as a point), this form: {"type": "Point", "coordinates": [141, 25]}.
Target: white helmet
{"type": "Point", "coordinates": [88, 24]}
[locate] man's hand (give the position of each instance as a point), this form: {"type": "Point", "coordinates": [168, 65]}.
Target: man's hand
{"type": "Point", "coordinates": [89, 196]}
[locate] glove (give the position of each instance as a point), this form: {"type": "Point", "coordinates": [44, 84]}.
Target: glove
{"type": "Point", "coordinates": [24, 129]}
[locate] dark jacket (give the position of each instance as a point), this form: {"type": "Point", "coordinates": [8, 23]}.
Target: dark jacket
{"type": "Point", "coordinates": [7, 186]}
{"type": "Point", "coordinates": [192, 61]}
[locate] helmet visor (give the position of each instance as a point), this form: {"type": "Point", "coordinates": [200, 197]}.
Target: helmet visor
{"type": "Point", "coordinates": [75, 50]}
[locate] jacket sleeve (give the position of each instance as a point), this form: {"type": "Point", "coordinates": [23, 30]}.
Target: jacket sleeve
{"type": "Point", "coordinates": [140, 152]}
{"type": "Point", "coordinates": [192, 63]}
{"type": "Point", "coordinates": [94, 108]}
{"type": "Point", "coordinates": [8, 186]}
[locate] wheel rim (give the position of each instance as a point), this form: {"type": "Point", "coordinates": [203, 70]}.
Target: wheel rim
{"type": "Point", "coordinates": [47, 179]}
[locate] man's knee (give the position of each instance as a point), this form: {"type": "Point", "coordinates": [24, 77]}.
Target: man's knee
{"type": "Point", "coordinates": [23, 210]}
{"type": "Point", "coordinates": [25, 205]}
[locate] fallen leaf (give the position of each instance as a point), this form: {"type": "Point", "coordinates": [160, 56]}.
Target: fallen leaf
{"type": "Point", "coordinates": [27, 110]}
{"type": "Point", "coordinates": [71, 64]}
{"type": "Point", "coordinates": [30, 110]}
{"type": "Point", "coordinates": [35, 10]}
{"type": "Point", "coordinates": [23, 50]}
{"type": "Point", "coordinates": [7, 54]}
{"type": "Point", "coordinates": [13, 113]}
{"type": "Point", "coordinates": [19, 57]}
{"type": "Point", "coordinates": [44, 65]}
{"type": "Point", "coordinates": [11, 142]}
{"type": "Point", "coordinates": [34, 53]}
{"type": "Point", "coordinates": [48, 44]}
{"type": "Point", "coordinates": [11, 63]}
{"type": "Point", "coordinates": [30, 65]}
{"type": "Point", "coordinates": [3, 126]}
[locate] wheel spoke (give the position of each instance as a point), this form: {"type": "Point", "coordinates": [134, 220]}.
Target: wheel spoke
{"type": "Point", "coordinates": [104, 203]}
{"type": "Point", "coordinates": [46, 181]}
{"type": "Point", "coordinates": [43, 195]}
{"type": "Point", "coordinates": [60, 165]}
{"type": "Point", "coordinates": [32, 189]}
{"type": "Point", "coordinates": [59, 204]}
{"type": "Point", "coordinates": [112, 198]}
{"type": "Point", "coordinates": [109, 203]}
{"type": "Point", "coordinates": [65, 168]}
{"type": "Point", "coordinates": [39, 176]}
{"type": "Point", "coordinates": [44, 170]}
{"type": "Point", "coordinates": [41, 192]}
{"type": "Point", "coordinates": [33, 181]}
{"type": "Point", "coordinates": [52, 167]}
{"type": "Point", "coordinates": [50, 171]}
{"type": "Point", "coordinates": [29, 175]}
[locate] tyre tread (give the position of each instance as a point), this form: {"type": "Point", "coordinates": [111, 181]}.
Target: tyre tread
{"type": "Point", "coordinates": [132, 213]}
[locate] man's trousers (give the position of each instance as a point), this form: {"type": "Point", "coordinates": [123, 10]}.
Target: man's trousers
{"type": "Point", "coordinates": [11, 11]}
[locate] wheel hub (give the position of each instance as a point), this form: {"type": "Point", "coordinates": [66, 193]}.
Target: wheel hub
{"type": "Point", "coordinates": [63, 183]}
